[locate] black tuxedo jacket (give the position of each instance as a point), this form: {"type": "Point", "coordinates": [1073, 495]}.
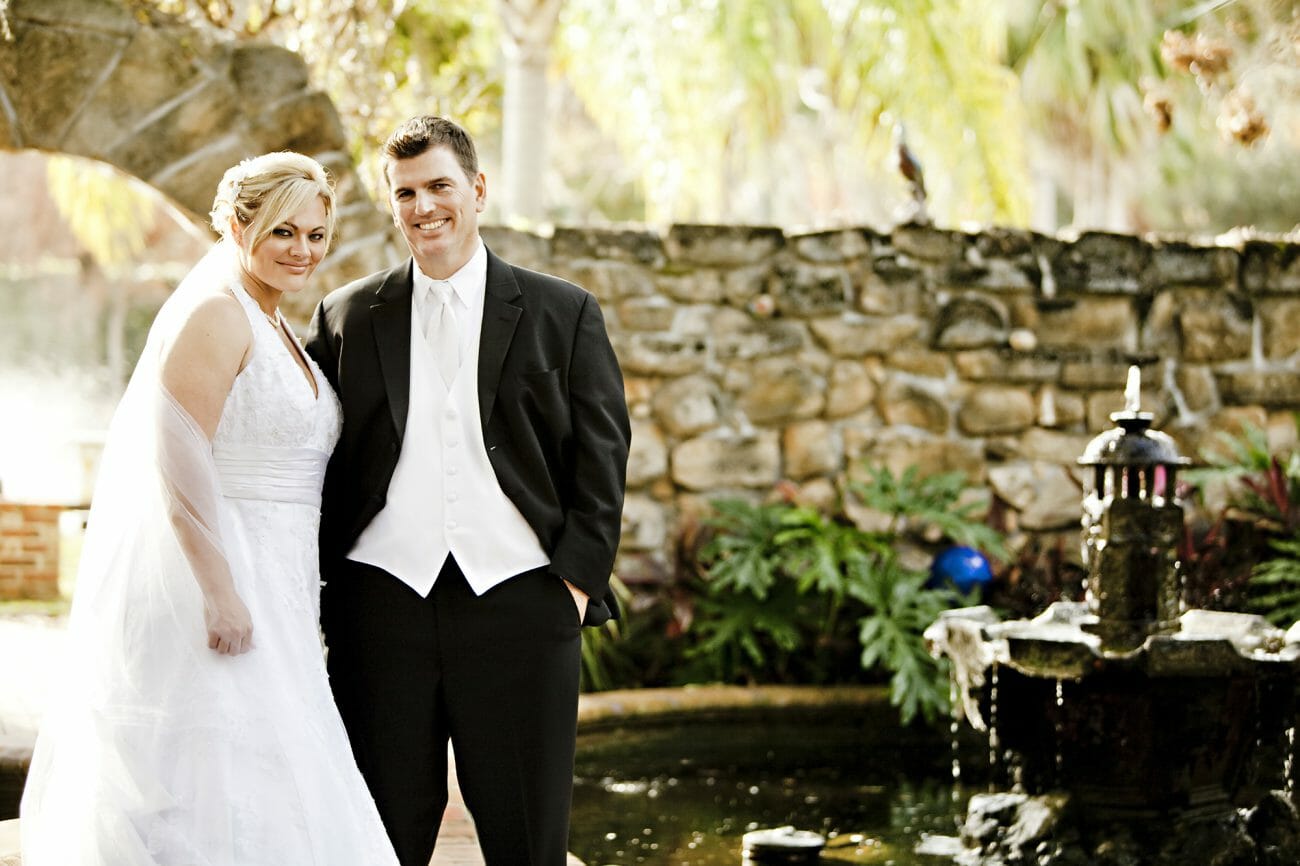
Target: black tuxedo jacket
{"type": "Point", "coordinates": [551, 402]}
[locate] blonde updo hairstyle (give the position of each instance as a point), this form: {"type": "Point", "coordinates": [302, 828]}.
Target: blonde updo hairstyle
{"type": "Point", "coordinates": [262, 192]}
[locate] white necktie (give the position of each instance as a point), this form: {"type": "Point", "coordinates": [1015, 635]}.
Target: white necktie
{"type": "Point", "coordinates": [440, 329]}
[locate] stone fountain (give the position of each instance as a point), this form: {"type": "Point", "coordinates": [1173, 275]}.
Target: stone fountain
{"type": "Point", "coordinates": [1126, 729]}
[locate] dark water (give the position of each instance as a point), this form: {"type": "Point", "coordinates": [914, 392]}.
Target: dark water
{"type": "Point", "coordinates": [684, 795]}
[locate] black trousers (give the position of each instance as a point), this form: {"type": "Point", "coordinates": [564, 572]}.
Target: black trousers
{"type": "Point", "coordinates": [497, 674]}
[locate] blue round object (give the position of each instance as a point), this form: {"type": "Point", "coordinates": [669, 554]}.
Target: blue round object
{"type": "Point", "coordinates": [963, 567]}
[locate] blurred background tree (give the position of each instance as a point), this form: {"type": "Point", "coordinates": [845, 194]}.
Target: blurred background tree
{"type": "Point", "coordinates": [1173, 115]}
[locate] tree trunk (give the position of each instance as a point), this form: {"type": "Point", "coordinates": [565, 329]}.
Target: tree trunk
{"type": "Point", "coordinates": [529, 28]}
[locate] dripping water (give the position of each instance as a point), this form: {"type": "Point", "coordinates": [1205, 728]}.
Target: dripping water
{"type": "Point", "coordinates": [1058, 725]}
{"type": "Point", "coordinates": [953, 729]}
{"type": "Point", "coordinates": [994, 743]}
{"type": "Point", "coordinates": [1288, 765]}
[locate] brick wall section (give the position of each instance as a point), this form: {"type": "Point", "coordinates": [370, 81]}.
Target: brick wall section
{"type": "Point", "coordinates": [29, 551]}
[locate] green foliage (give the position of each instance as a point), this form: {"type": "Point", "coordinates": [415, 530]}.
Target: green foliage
{"type": "Point", "coordinates": [933, 500]}
{"type": "Point", "coordinates": [1260, 526]}
{"type": "Point", "coordinates": [1276, 583]}
{"type": "Point", "coordinates": [790, 594]}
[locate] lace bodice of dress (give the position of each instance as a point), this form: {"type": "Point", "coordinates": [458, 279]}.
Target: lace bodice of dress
{"type": "Point", "coordinates": [271, 403]}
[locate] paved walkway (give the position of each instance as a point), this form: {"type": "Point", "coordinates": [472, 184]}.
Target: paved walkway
{"type": "Point", "coordinates": [30, 645]}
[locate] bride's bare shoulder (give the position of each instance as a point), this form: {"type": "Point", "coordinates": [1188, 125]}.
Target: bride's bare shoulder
{"type": "Point", "coordinates": [213, 321]}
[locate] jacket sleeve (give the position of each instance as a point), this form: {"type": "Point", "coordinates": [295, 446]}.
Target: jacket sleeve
{"type": "Point", "coordinates": [587, 544]}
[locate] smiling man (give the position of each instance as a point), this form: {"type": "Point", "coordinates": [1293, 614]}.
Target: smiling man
{"type": "Point", "coordinates": [470, 515]}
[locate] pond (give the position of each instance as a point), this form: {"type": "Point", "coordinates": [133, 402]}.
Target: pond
{"type": "Point", "coordinates": [684, 794]}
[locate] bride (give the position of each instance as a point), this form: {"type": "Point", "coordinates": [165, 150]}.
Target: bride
{"type": "Point", "coordinates": [196, 725]}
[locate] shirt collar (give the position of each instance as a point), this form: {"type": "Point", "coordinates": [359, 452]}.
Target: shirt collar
{"type": "Point", "coordinates": [467, 283]}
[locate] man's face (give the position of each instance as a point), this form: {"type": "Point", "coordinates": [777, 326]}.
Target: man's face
{"type": "Point", "coordinates": [436, 206]}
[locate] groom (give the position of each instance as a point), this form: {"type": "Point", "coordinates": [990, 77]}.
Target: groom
{"type": "Point", "coordinates": [470, 516]}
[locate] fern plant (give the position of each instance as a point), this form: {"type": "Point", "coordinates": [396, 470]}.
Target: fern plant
{"type": "Point", "coordinates": [789, 592]}
{"type": "Point", "coordinates": [1264, 497]}
{"type": "Point", "coordinates": [1275, 583]}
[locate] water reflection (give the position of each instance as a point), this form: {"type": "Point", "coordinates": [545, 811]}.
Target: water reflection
{"type": "Point", "coordinates": [873, 801]}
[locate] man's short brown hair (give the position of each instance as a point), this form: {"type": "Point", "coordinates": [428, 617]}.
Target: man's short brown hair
{"type": "Point", "coordinates": [418, 134]}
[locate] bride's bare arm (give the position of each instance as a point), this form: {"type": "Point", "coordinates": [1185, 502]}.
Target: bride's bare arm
{"type": "Point", "coordinates": [199, 366]}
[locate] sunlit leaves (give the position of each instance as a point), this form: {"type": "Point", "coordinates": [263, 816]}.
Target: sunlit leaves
{"type": "Point", "coordinates": [109, 213]}
{"type": "Point", "coordinates": [749, 111]}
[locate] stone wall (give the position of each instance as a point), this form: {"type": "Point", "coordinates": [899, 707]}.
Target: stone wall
{"type": "Point", "coordinates": [755, 357]}
{"type": "Point", "coordinates": [29, 551]}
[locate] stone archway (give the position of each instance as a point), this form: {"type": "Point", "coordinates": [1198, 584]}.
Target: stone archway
{"type": "Point", "coordinates": [111, 81]}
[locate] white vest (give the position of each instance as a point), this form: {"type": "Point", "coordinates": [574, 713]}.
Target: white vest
{"type": "Point", "coordinates": [444, 497]}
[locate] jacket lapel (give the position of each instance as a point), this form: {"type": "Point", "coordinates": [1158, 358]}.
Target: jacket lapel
{"type": "Point", "coordinates": [390, 317]}
{"type": "Point", "coordinates": [500, 316]}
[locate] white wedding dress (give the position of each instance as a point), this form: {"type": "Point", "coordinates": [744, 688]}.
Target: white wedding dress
{"type": "Point", "coordinates": [159, 751]}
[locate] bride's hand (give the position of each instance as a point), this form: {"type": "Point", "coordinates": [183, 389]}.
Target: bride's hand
{"type": "Point", "coordinates": [230, 627]}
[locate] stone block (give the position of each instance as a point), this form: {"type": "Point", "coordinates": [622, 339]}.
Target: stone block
{"type": "Point", "coordinates": [1102, 262]}
{"type": "Point", "coordinates": [811, 290]}
{"type": "Point", "coordinates": [192, 181]}
{"type": "Point", "coordinates": [719, 462]}
{"type": "Point", "coordinates": [929, 243]}
{"type": "Point", "coordinates": [654, 313]}
{"type": "Point", "coordinates": [855, 336]}
{"type": "Point", "coordinates": [994, 274]}
{"type": "Point", "coordinates": [522, 248]}
{"type": "Point", "coordinates": [156, 67]}
{"type": "Point", "coordinates": [742, 285]}
{"type": "Point", "coordinates": [1051, 446]}
{"type": "Point", "coordinates": [781, 389]}
{"type": "Point", "coordinates": [1060, 409]}
{"type": "Point", "coordinates": [887, 287]}
{"type": "Point", "coordinates": [633, 246]}
{"type": "Point", "coordinates": [1045, 494]}
{"type": "Point", "coordinates": [850, 389]}
{"type": "Point", "coordinates": [1003, 242]}
{"type": "Point", "coordinates": [661, 354]}
{"type": "Point", "coordinates": [1178, 263]}
{"type": "Point", "coordinates": [1102, 404]}
{"type": "Point", "coordinates": [702, 286]}
{"type": "Point", "coordinates": [102, 15]}
{"type": "Point", "coordinates": [721, 246]}
{"type": "Point", "coordinates": [919, 362]}
{"type": "Point", "coordinates": [647, 460]}
{"type": "Point", "coordinates": [982, 365]}
{"type": "Point", "coordinates": [644, 524]}
{"type": "Point", "coordinates": [1280, 320]}
{"type": "Point", "coordinates": [906, 404]}
{"type": "Point", "coordinates": [1196, 387]}
{"type": "Point", "coordinates": [688, 405]}
{"type": "Point", "coordinates": [739, 337]}
{"type": "Point", "coordinates": [1092, 375]}
{"type": "Point", "coordinates": [970, 322]}
{"type": "Point", "coordinates": [833, 246]}
{"type": "Point", "coordinates": [305, 122]}
{"type": "Point", "coordinates": [993, 409]}
{"type": "Point", "coordinates": [897, 449]}
{"type": "Point", "coordinates": [608, 281]}
{"type": "Point", "coordinates": [1272, 389]}
{"type": "Point", "coordinates": [267, 74]}
{"type": "Point", "coordinates": [209, 113]}
{"type": "Point", "coordinates": [1219, 330]}
{"type": "Point", "coordinates": [67, 63]}
{"type": "Point", "coordinates": [1088, 323]}
{"type": "Point", "coordinates": [1269, 266]}
{"type": "Point", "coordinates": [811, 448]}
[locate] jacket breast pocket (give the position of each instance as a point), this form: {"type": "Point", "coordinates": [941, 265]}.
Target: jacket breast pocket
{"type": "Point", "coordinates": [543, 393]}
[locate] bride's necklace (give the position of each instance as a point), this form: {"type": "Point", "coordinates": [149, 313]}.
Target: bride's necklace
{"type": "Point", "coordinates": [273, 319]}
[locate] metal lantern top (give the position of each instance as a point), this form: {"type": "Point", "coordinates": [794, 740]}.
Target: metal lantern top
{"type": "Point", "coordinates": [1131, 442]}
